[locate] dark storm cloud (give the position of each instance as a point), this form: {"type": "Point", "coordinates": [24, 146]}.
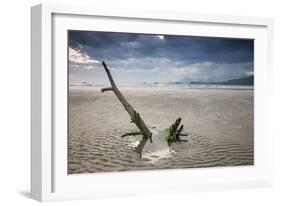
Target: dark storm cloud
{"type": "Point", "coordinates": [98, 40]}
{"type": "Point", "coordinates": [166, 58]}
{"type": "Point", "coordinates": [108, 46]}
{"type": "Point", "coordinates": [219, 50]}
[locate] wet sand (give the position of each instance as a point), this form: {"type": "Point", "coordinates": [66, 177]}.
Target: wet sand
{"type": "Point", "coordinates": [219, 124]}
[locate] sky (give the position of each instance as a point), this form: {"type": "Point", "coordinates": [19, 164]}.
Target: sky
{"type": "Point", "coordinates": [139, 58]}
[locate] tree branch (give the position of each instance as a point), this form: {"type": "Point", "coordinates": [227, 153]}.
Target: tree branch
{"type": "Point", "coordinates": [135, 116]}
{"type": "Point", "coordinates": [132, 134]}
{"type": "Point", "coordinates": [106, 89]}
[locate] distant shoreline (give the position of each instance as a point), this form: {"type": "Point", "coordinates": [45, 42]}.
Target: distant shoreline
{"type": "Point", "coordinates": [167, 87]}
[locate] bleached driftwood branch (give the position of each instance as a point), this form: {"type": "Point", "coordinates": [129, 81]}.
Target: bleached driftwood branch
{"type": "Point", "coordinates": [135, 116]}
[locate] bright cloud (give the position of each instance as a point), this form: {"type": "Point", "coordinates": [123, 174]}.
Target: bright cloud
{"type": "Point", "coordinates": [160, 37]}
{"type": "Point", "coordinates": [78, 57]}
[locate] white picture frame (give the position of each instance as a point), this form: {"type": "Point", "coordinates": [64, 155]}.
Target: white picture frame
{"type": "Point", "coordinates": [49, 179]}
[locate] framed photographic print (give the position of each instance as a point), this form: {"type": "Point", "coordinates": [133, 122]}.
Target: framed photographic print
{"type": "Point", "coordinates": [134, 102]}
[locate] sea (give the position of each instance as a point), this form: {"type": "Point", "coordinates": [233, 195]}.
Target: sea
{"type": "Point", "coordinates": [165, 86]}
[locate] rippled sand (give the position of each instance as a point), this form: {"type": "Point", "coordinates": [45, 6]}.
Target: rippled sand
{"type": "Point", "coordinates": [219, 124]}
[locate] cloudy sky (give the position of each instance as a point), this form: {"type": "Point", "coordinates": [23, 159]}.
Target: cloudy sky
{"type": "Point", "coordinates": [138, 58]}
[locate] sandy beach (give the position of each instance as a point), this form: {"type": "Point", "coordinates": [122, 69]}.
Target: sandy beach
{"type": "Point", "coordinates": [219, 124]}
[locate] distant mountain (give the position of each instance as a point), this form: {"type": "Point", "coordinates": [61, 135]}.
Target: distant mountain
{"type": "Point", "coordinates": [84, 83]}
{"type": "Point", "coordinates": [185, 80]}
{"type": "Point", "coordinates": [242, 81]}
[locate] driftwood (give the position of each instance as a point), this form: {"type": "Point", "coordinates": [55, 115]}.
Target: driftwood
{"type": "Point", "coordinates": [135, 116]}
{"type": "Point", "coordinates": [173, 133]}
{"type": "Point", "coordinates": [132, 134]}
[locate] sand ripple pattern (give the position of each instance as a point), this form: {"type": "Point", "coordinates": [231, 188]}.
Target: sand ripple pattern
{"type": "Point", "coordinates": [111, 153]}
{"type": "Point", "coordinates": [97, 122]}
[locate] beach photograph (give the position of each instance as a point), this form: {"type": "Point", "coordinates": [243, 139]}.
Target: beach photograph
{"type": "Point", "coordinates": [139, 102]}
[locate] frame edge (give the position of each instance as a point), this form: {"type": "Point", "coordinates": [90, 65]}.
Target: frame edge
{"type": "Point", "coordinates": [38, 16]}
{"type": "Point", "coordinates": [36, 118]}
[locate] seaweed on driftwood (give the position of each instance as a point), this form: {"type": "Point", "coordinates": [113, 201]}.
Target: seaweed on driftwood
{"type": "Point", "coordinates": [173, 133]}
